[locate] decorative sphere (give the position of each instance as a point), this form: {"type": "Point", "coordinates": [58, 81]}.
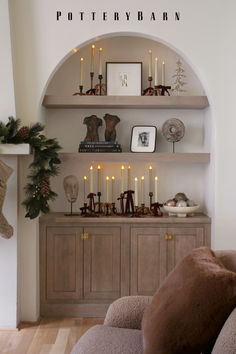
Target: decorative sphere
{"type": "Point", "coordinates": [190, 203]}
{"type": "Point", "coordinates": [180, 196]}
{"type": "Point", "coordinates": [181, 203]}
{"type": "Point", "coordinates": [170, 202]}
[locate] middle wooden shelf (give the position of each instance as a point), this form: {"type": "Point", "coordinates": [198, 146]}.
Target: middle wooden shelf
{"type": "Point", "coordinates": [144, 157]}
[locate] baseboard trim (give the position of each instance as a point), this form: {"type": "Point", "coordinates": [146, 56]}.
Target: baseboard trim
{"type": "Point", "coordinates": [73, 310]}
{"type": "Point", "coordinates": [23, 324]}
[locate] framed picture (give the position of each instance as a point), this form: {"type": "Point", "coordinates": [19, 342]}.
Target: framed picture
{"type": "Point", "coordinates": [143, 138]}
{"type": "Point", "coordinates": [124, 79]}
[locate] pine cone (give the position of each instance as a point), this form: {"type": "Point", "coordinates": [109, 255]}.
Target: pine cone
{"type": "Point", "coordinates": [23, 133]}
{"type": "Point", "coordinates": [45, 187]}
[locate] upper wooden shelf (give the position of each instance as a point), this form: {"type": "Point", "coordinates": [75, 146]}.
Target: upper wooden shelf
{"type": "Point", "coordinates": [143, 157]}
{"type": "Point", "coordinates": [179, 102]}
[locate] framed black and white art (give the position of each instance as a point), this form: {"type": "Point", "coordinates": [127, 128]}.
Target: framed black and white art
{"type": "Point", "coordinates": [124, 78]}
{"type": "Point", "coordinates": [143, 138]}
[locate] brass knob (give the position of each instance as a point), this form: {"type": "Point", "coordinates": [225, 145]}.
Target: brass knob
{"type": "Point", "coordinates": [168, 236]}
{"type": "Point", "coordinates": [84, 236]}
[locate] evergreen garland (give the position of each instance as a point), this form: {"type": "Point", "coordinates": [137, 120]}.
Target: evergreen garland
{"type": "Point", "coordinates": [44, 165]}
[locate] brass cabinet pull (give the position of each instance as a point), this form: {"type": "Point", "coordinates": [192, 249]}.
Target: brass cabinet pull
{"type": "Point", "coordinates": [169, 237]}
{"type": "Point", "coordinates": [84, 236]}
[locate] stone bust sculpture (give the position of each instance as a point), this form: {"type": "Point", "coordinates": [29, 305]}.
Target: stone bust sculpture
{"type": "Point", "coordinates": [71, 187]}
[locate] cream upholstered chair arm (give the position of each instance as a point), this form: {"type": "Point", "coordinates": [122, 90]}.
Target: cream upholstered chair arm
{"type": "Point", "coordinates": [127, 312]}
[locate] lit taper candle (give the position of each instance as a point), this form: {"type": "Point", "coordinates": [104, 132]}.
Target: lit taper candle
{"type": "Point", "coordinates": [91, 179]}
{"type": "Point", "coordinates": [163, 73]}
{"type": "Point", "coordinates": [85, 188]}
{"type": "Point", "coordinates": [156, 72]}
{"type": "Point", "coordinates": [142, 189]}
{"type": "Point", "coordinates": [136, 191]}
{"type": "Point", "coordinates": [92, 58]}
{"type": "Point", "coordinates": [150, 63]}
{"type": "Point", "coordinates": [100, 62]}
{"type": "Point", "coordinates": [113, 189]}
{"type": "Point", "coordinates": [81, 71]}
{"type": "Point", "coordinates": [99, 178]}
{"type": "Point", "coordinates": [150, 178]}
{"type": "Point", "coordinates": [156, 189]}
{"type": "Point", "coordinates": [107, 189]}
{"type": "Point", "coordinates": [129, 178]}
{"type": "Point", "coordinates": [122, 179]}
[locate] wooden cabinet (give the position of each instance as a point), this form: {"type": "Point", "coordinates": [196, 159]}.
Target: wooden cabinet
{"type": "Point", "coordinates": [148, 259]}
{"type": "Point", "coordinates": [181, 241]}
{"type": "Point", "coordinates": [102, 263]}
{"type": "Point", "coordinates": [86, 263]}
{"type": "Point", "coordinates": [64, 260]}
{"type": "Point", "coordinates": [156, 250]}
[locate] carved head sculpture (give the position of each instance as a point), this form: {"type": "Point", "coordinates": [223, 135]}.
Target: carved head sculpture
{"type": "Point", "coordinates": [71, 187]}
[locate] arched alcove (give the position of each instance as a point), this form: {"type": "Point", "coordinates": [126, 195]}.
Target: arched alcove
{"type": "Point", "coordinates": [195, 179]}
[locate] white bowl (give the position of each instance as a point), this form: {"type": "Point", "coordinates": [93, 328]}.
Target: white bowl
{"type": "Point", "coordinates": [181, 211]}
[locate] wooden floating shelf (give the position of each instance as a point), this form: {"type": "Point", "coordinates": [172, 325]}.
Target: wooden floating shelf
{"type": "Point", "coordinates": [145, 157]}
{"type": "Point", "coordinates": [161, 102]}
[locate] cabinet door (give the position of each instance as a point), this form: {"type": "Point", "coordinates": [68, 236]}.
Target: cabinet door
{"type": "Point", "coordinates": [64, 263]}
{"type": "Point", "coordinates": [183, 240]}
{"type": "Point", "coordinates": [102, 270]}
{"type": "Point", "coordinates": [148, 260]}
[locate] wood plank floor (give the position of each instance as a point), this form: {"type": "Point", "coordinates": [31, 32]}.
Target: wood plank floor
{"type": "Point", "coordinates": [50, 336]}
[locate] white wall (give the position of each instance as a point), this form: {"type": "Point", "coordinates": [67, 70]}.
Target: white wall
{"type": "Point", "coordinates": [203, 36]}
{"type": "Point", "coordinates": [8, 247]}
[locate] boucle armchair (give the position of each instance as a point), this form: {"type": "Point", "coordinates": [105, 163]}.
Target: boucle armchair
{"type": "Point", "coordinates": [121, 332]}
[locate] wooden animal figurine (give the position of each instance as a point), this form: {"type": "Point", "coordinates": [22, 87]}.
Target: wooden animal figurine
{"type": "Point", "coordinates": [111, 122]}
{"type": "Point", "coordinates": [93, 123]}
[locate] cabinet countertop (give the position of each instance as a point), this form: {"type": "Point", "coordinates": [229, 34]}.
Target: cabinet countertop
{"type": "Point", "coordinates": [58, 217]}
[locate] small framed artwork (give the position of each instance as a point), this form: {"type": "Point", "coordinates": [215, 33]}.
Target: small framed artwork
{"type": "Point", "coordinates": [143, 138]}
{"type": "Point", "coordinates": [124, 78]}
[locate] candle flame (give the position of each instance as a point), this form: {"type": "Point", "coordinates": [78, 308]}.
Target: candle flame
{"type": "Point", "coordinates": [122, 167]}
{"type": "Point", "coordinates": [85, 177]}
{"type": "Point", "coordinates": [100, 49]}
{"type": "Point", "coordinates": [142, 178]}
{"type": "Point", "coordinates": [156, 59]}
{"type": "Point", "coordinates": [75, 50]}
{"type": "Point", "coordinates": [81, 59]}
{"type": "Point", "coordinates": [113, 178]}
{"type": "Point", "coordinates": [93, 46]}
{"type": "Point", "coordinates": [156, 178]}
{"type": "Point", "coordinates": [136, 179]}
{"type": "Point", "coordinates": [150, 167]}
{"type": "Point", "coordinates": [99, 167]}
{"type": "Point", "coordinates": [107, 178]}
{"type": "Point", "coordinates": [91, 168]}
{"type": "Point", "coordinates": [129, 167]}
{"type": "Point", "coordinates": [163, 63]}
{"type": "Point", "coordinates": [150, 52]}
